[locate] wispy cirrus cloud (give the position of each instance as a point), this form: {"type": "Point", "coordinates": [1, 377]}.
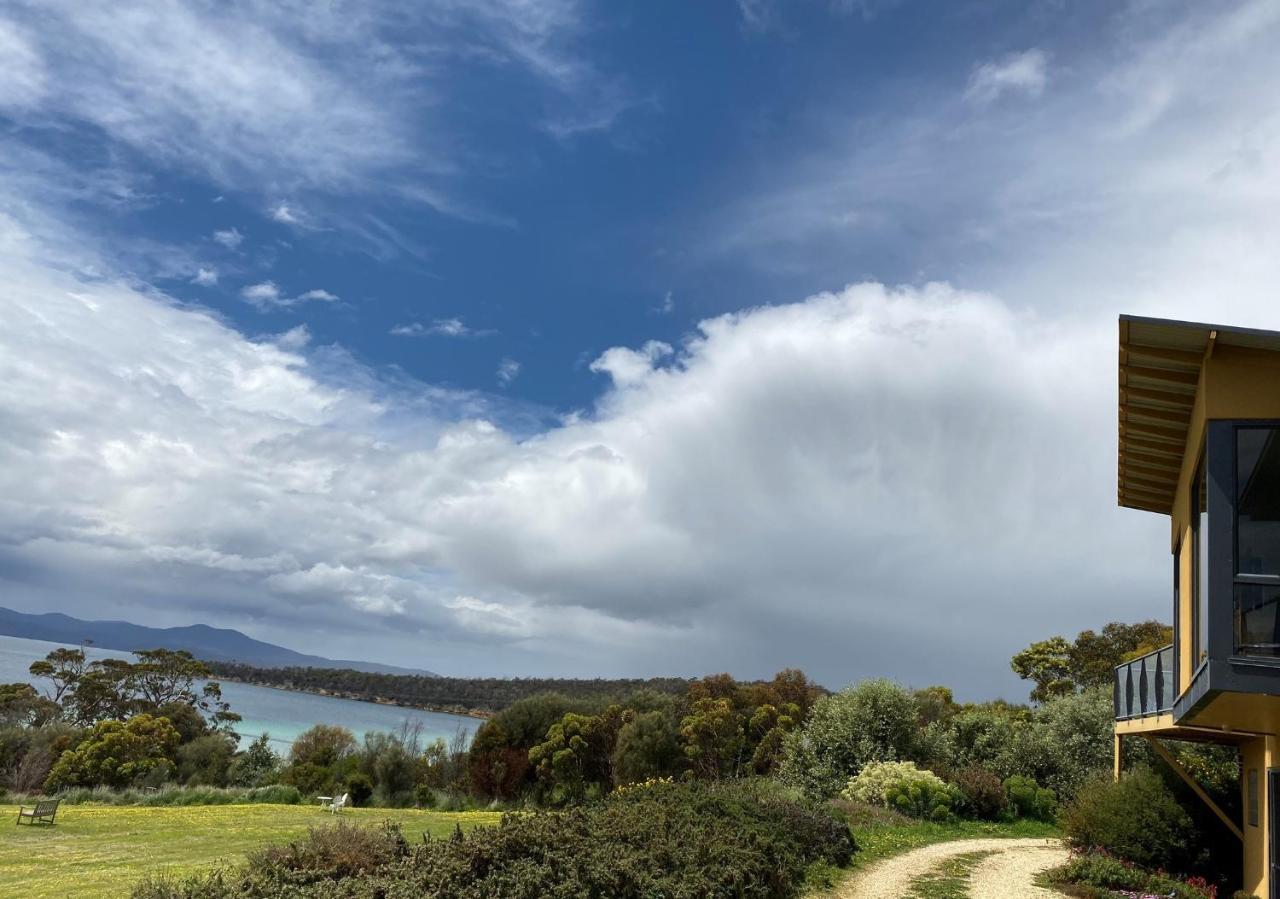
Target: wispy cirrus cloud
{"type": "Point", "coordinates": [508, 371]}
{"type": "Point", "coordinates": [441, 327]}
{"type": "Point", "coordinates": [1024, 73]}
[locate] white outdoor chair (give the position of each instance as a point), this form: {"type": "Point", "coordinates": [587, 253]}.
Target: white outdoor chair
{"type": "Point", "coordinates": [337, 805]}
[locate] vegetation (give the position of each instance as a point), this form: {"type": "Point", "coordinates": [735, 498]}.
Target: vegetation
{"type": "Point", "coordinates": [450, 694]}
{"type": "Point", "coordinates": [654, 840]}
{"type": "Point", "coordinates": [1100, 876]}
{"type": "Point", "coordinates": [1059, 668]}
{"type": "Point", "coordinates": [1136, 819]}
{"type": "Point", "coordinates": [950, 880]}
{"type": "Point", "coordinates": [905, 788]}
{"type": "Point", "coordinates": [101, 852]}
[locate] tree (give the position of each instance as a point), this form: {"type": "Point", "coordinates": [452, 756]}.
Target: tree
{"type": "Point", "coordinates": [1047, 664]}
{"type": "Point", "coordinates": [206, 760]}
{"type": "Point", "coordinates": [577, 754]}
{"type": "Point", "coordinates": [1058, 668]}
{"type": "Point", "coordinates": [646, 748]}
{"type": "Point", "coordinates": [714, 739]}
{"type": "Point", "coordinates": [255, 766]}
{"type": "Point", "coordinates": [22, 705]}
{"type": "Point", "coordinates": [323, 745]}
{"type": "Point", "coordinates": [63, 668]}
{"type": "Point", "coordinates": [116, 754]}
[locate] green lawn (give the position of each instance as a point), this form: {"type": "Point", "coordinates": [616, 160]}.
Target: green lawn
{"type": "Point", "coordinates": [99, 852]}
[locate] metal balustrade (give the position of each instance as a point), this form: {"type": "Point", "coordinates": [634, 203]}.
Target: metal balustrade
{"type": "Point", "coordinates": [1144, 686]}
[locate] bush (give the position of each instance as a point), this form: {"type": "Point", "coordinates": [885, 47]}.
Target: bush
{"type": "Point", "coordinates": [116, 754]}
{"type": "Point", "coordinates": [982, 795]}
{"type": "Point", "coordinates": [360, 787]}
{"type": "Point", "coordinates": [424, 796]}
{"type": "Point", "coordinates": [875, 721]}
{"type": "Point", "coordinates": [1136, 819]}
{"type": "Point", "coordinates": [904, 787]}
{"type": "Point", "coordinates": [1068, 742]}
{"type": "Point", "coordinates": [1106, 873]}
{"type": "Point", "coordinates": [677, 840]}
{"type": "Point", "coordinates": [204, 761]}
{"type": "Point", "coordinates": [275, 794]}
{"type": "Point", "coordinates": [1029, 800]}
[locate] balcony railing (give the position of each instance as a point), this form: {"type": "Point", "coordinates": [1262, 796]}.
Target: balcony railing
{"type": "Point", "coordinates": [1144, 686]}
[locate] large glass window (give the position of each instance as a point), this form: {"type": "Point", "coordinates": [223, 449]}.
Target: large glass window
{"type": "Point", "coordinates": [1257, 532]}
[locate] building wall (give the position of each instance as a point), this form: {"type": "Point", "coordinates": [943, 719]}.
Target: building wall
{"type": "Point", "coordinates": [1256, 757]}
{"type": "Point", "coordinates": [1234, 383]}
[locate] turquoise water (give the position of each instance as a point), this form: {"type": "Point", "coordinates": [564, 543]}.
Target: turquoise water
{"type": "Point", "coordinates": [282, 714]}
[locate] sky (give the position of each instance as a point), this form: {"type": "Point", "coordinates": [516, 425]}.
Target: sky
{"type": "Point", "coordinates": [570, 338]}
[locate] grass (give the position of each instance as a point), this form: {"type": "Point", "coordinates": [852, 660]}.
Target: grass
{"type": "Point", "coordinates": [100, 852]}
{"type": "Point", "coordinates": [950, 880]}
{"type": "Point", "coordinates": [876, 843]}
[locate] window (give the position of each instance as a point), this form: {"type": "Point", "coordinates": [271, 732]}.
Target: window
{"type": "Point", "coordinates": [1199, 569]}
{"type": "Point", "coordinates": [1257, 535]}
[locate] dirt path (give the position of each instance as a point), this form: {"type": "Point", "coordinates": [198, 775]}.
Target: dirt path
{"type": "Point", "coordinates": [1008, 874]}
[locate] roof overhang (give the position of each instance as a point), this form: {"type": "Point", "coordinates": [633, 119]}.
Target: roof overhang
{"type": "Point", "coordinates": [1160, 363]}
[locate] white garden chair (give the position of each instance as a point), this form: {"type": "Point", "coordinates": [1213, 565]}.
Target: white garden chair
{"type": "Point", "coordinates": [334, 805]}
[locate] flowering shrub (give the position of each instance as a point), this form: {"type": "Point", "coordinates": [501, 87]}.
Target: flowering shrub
{"type": "Point", "coordinates": [903, 786]}
{"type": "Point", "coordinates": [1030, 800]}
{"type": "Point", "coordinates": [1105, 872]}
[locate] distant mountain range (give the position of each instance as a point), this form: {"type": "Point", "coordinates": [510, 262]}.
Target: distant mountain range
{"type": "Point", "coordinates": [214, 644]}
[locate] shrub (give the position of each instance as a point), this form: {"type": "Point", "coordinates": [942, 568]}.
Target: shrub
{"type": "Point", "coordinates": [275, 794]}
{"type": "Point", "coordinates": [360, 787]}
{"type": "Point", "coordinates": [424, 796]}
{"type": "Point", "coordinates": [1030, 800]}
{"type": "Point", "coordinates": [1136, 819]}
{"type": "Point", "coordinates": [982, 795]}
{"type": "Point", "coordinates": [1067, 742]}
{"type": "Point", "coordinates": [646, 748]}
{"type": "Point", "coordinates": [204, 761]}
{"type": "Point", "coordinates": [904, 787]}
{"type": "Point", "coordinates": [677, 840]}
{"type": "Point", "coordinates": [1104, 872]}
{"type": "Point", "coordinates": [872, 722]}
{"type": "Point", "coordinates": [116, 754]}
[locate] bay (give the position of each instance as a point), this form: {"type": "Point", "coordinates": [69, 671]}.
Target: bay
{"type": "Point", "coordinates": [282, 714]}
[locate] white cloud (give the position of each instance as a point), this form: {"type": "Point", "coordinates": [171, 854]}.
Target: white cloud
{"type": "Point", "coordinates": [508, 370]}
{"type": "Point", "coordinates": [441, 327]}
{"type": "Point", "coordinates": [205, 277]}
{"type": "Point", "coordinates": [231, 238]}
{"type": "Point", "coordinates": [283, 214]}
{"type": "Point", "coordinates": [296, 338]}
{"type": "Point", "coordinates": [668, 304]}
{"type": "Point", "coordinates": [317, 295]}
{"type": "Point", "coordinates": [25, 79]}
{"type": "Point", "coordinates": [266, 295]}
{"type": "Point", "coordinates": [627, 367]}
{"type": "Point", "coordinates": [1023, 72]}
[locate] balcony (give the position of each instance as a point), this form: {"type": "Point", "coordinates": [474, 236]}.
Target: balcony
{"type": "Point", "coordinates": [1144, 686]}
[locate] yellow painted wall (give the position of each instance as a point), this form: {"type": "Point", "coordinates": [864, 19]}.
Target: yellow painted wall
{"type": "Point", "coordinates": [1257, 755]}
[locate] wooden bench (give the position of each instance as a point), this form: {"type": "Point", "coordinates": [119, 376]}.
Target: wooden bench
{"type": "Point", "coordinates": [43, 813]}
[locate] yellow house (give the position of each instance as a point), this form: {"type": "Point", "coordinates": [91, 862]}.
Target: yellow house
{"type": "Point", "coordinates": [1200, 443]}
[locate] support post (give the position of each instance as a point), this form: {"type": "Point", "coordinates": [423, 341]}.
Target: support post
{"type": "Point", "coordinates": [1119, 756]}
{"type": "Point", "coordinates": [1195, 787]}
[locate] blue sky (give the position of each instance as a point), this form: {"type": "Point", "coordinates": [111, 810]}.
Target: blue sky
{"type": "Point", "coordinates": [551, 336]}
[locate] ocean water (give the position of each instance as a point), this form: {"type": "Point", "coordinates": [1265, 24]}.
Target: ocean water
{"type": "Point", "coordinates": [282, 714]}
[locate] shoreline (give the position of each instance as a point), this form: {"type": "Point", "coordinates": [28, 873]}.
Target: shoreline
{"type": "Point", "coordinates": [356, 697]}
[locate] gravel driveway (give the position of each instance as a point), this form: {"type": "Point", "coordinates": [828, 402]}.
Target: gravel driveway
{"type": "Point", "coordinates": [1008, 874]}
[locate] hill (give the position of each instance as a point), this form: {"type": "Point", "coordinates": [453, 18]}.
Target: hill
{"type": "Point", "coordinates": [212, 644]}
